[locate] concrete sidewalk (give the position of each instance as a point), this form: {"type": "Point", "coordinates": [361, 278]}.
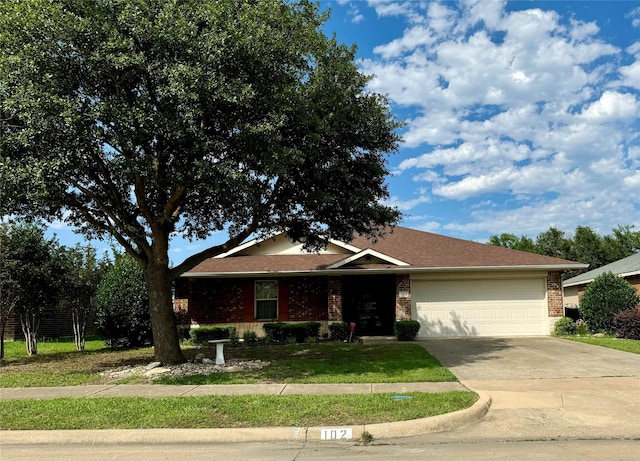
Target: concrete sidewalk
{"type": "Point", "coordinates": [160, 390]}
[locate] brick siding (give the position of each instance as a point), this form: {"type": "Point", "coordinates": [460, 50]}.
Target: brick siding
{"type": "Point", "coordinates": [403, 304]}
{"type": "Point", "coordinates": [554, 294]}
{"type": "Point", "coordinates": [335, 299]}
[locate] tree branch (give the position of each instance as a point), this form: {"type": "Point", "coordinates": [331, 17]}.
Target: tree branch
{"type": "Point", "coordinates": [196, 259]}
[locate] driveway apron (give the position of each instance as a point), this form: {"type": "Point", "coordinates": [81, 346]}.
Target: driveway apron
{"type": "Point", "coordinates": [545, 388]}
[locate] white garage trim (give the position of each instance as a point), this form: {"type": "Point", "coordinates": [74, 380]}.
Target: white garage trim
{"type": "Point", "coordinates": [480, 307]}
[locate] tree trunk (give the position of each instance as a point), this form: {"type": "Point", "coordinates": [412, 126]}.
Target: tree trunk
{"type": "Point", "coordinates": [79, 319]}
{"type": "Point", "coordinates": [30, 322]}
{"type": "Point", "coordinates": [166, 342]}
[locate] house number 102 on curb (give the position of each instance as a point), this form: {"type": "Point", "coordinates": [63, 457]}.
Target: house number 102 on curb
{"type": "Point", "coordinates": [340, 433]}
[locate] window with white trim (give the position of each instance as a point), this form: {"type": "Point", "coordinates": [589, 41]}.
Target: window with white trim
{"type": "Point", "coordinates": [266, 299]}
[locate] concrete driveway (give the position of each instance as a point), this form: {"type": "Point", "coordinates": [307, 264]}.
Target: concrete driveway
{"type": "Point", "coordinates": [530, 358]}
{"type": "Point", "coordinates": [545, 388]}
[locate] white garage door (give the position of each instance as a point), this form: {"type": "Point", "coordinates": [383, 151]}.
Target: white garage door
{"type": "Point", "coordinates": [503, 307]}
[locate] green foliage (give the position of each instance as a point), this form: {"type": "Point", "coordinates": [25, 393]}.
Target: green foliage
{"type": "Point", "coordinates": [585, 246]}
{"type": "Point", "coordinates": [31, 271]}
{"type": "Point", "coordinates": [205, 333]}
{"type": "Point", "coordinates": [122, 306]}
{"type": "Point", "coordinates": [339, 331]}
{"type": "Point", "coordinates": [406, 330]}
{"type": "Point", "coordinates": [627, 324]}
{"type": "Point", "coordinates": [513, 242]}
{"type": "Point", "coordinates": [605, 297]}
{"type": "Point", "coordinates": [250, 338]}
{"type": "Point", "coordinates": [565, 326]}
{"type": "Point", "coordinates": [82, 274]}
{"type": "Point", "coordinates": [143, 120]}
{"type": "Point", "coordinates": [297, 332]}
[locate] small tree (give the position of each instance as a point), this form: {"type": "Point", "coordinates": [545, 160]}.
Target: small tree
{"type": "Point", "coordinates": [122, 313]}
{"type": "Point", "coordinates": [8, 287]}
{"type": "Point", "coordinates": [605, 297]}
{"type": "Point", "coordinates": [83, 273]}
{"type": "Point", "coordinates": [31, 272]}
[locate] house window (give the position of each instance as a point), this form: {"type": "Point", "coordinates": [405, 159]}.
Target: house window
{"type": "Point", "coordinates": [266, 299]}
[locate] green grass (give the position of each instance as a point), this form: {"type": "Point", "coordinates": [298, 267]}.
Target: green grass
{"type": "Point", "coordinates": [316, 363]}
{"type": "Point", "coordinates": [331, 363]}
{"type": "Point", "coordinates": [17, 349]}
{"type": "Point", "coordinates": [225, 411]}
{"type": "Point", "coordinates": [627, 345]}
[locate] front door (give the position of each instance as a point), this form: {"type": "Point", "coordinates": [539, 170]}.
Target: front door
{"type": "Point", "coordinates": [370, 302]}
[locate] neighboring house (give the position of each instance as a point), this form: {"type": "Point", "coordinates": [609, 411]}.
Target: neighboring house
{"type": "Point", "coordinates": [627, 268]}
{"type": "Point", "coordinates": [452, 287]}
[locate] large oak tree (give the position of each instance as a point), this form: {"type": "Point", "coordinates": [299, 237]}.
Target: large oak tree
{"type": "Point", "coordinates": [145, 119]}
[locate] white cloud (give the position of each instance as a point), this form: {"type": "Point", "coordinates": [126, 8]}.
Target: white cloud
{"type": "Point", "coordinates": [613, 106]}
{"type": "Point", "coordinates": [529, 105]}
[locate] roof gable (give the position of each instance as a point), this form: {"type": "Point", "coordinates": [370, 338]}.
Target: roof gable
{"type": "Point", "coordinates": [401, 249]}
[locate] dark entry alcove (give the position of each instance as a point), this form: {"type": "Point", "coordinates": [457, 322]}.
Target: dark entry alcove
{"type": "Point", "coordinates": [370, 302]}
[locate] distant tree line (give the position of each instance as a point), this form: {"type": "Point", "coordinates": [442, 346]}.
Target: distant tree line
{"type": "Point", "coordinates": [585, 246]}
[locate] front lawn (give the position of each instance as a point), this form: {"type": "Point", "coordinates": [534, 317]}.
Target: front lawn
{"type": "Point", "coordinates": [226, 411]}
{"type": "Point", "coordinates": [627, 345]}
{"type": "Point", "coordinates": [315, 363]}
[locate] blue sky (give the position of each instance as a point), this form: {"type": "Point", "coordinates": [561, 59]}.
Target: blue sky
{"type": "Point", "coordinates": [520, 115]}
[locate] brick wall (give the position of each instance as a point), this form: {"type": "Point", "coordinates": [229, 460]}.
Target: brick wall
{"type": "Point", "coordinates": [213, 301]}
{"type": "Point", "coordinates": [554, 294]}
{"type": "Point", "coordinates": [403, 297]}
{"type": "Point", "coordinates": [335, 299]}
{"type": "Point", "coordinates": [308, 299]}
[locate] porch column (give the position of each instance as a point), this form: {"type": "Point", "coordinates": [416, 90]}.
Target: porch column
{"type": "Point", "coordinates": [403, 297]}
{"type": "Point", "coordinates": [335, 299]}
{"type": "Point", "coordinates": [554, 294]}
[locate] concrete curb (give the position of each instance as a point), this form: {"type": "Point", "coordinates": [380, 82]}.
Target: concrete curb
{"type": "Point", "coordinates": [414, 427]}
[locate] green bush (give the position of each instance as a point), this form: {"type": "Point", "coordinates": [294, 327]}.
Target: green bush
{"type": "Point", "coordinates": [339, 331]}
{"type": "Point", "coordinates": [582, 328]}
{"type": "Point", "coordinates": [406, 330]}
{"type": "Point", "coordinates": [564, 327]}
{"type": "Point", "coordinates": [122, 306]}
{"type": "Point", "coordinates": [204, 334]}
{"type": "Point", "coordinates": [605, 297]}
{"type": "Point", "coordinates": [627, 324]}
{"type": "Point", "coordinates": [250, 338]}
{"type": "Point", "coordinates": [280, 332]}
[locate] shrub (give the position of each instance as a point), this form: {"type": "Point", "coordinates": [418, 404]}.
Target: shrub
{"type": "Point", "coordinates": [627, 324]}
{"type": "Point", "coordinates": [339, 331]}
{"type": "Point", "coordinates": [250, 338]}
{"type": "Point", "coordinates": [122, 306]}
{"type": "Point", "coordinates": [406, 330]}
{"type": "Point", "coordinates": [286, 332]}
{"type": "Point", "coordinates": [605, 297]}
{"type": "Point", "coordinates": [582, 328]}
{"type": "Point", "coordinates": [564, 327]}
{"type": "Point", "coordinates": [203, 334]}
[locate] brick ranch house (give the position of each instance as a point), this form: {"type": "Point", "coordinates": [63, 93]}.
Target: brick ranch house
{"type": "Point", "coordinates": [453, 287]}
{"type": "Point", "coordinates": [628, 268]}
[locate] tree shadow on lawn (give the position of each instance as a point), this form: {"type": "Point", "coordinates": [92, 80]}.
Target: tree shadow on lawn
{"type": "Point", "coordinates": [337, 362]}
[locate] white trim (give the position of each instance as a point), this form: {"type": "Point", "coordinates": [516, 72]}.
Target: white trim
{"type": "Point", "coordinates": [364, 254]}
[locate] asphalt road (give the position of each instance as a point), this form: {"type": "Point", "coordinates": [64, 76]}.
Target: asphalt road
{"type": "Point", "coordinates": [401, 450]}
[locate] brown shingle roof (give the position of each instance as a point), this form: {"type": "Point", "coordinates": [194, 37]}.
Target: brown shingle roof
{"type": "Point", "coordinates": [420, 250]}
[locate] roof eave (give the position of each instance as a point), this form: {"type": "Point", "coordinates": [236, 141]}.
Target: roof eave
{"type": "Point", "coordinates": [397, 269]}
{"type": "Point", "coordinates": [589, 280]}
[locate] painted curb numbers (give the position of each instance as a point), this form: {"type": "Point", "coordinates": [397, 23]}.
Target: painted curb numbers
{"type": "Point", "coordinates": [336, 433]}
